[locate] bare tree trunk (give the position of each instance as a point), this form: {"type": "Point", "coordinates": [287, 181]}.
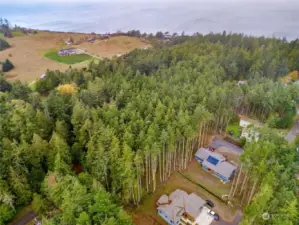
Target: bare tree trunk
{"type": "Point", "coordinates": [160, 165]}
{"type": "Point", "coordinates": [146, 173]}
{"type": "Point", "coordinates": [244, 183]}
{"type": "Point", "coordinates": [163, 163]}
{"type": "Point", "coordinates": [239, 175]}
{"type": "Point", "coordinates": [252, 191]}
{"type": "Point", "coordinates": [232, 187]}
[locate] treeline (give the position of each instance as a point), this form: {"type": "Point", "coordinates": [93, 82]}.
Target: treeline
{"type": "Point", "coordinates": [3, 44]}
{"type": "Point", "coordinates": [265, 181]}
{"type": "Point", "coordinates": [129, 123]}
{"type": "Point", "coordinates": [8, 31]}
{"type": "Point", "coordinates": [5, 27]}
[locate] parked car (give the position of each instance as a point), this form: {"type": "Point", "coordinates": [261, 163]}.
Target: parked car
{"type": "Point", "coordinates": [210, 203]}
{"type": "Point", "coordinates": [211, 149]}
{"type": "Point", "coordinates": [214, 215]}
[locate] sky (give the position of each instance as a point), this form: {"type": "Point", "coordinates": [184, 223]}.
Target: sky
{"type": "Point", "coordinates": [137, 1]}
{"type": "Point", "coordinates": [254, 17]}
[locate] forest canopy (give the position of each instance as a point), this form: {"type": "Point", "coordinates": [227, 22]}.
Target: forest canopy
{"type": "Point", "coordinates": [88, 141]}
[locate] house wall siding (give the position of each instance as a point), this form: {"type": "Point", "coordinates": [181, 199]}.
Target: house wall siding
{"type": "Point", "coordinates": [165, 218]}
{"type": "Point", "coordinates": [244, 123]}
{"type": "Point", "coordinates": [198, 159]}
{"type": "Point", "coordinates": [205, 168]}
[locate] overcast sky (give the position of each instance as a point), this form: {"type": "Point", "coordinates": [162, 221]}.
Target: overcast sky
{"type": "Point", "coordinates": [139, 1]}
{"type": "Point", "coordinates": [254, 17]}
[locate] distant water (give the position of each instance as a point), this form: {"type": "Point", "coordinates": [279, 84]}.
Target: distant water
{"type": "Point", "coordinates": [280, 19]}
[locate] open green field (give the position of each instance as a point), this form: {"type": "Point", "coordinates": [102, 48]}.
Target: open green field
{"type": "Point", "coordinates": [17, 34]}
{"type": "Point", "coordinates": [70, 59]}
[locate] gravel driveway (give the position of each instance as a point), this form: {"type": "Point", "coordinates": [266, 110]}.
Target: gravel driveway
{"type": "Point", "coordinates": [217, 143]}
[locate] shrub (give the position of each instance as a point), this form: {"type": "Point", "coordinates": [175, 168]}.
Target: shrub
{"type": "Point", "coordinates": [3, 44]}
{"type": "Point", "coordinates": [4, 85]}
{"type": "Point", "coordinates": [6, 213]}
{"type": "Point", "coordinates": [7, 66]}
{"type": "Point", "coordinates": [243, 142]}
{"type": "Point", "coordinates": [67, 89]}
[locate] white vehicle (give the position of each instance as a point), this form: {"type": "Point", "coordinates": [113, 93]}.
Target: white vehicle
{"type": "Point", "coordinates": [213, 214]}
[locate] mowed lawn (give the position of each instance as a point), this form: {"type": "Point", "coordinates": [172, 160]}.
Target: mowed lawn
{"type": "Point", "coordinates": [234, 127]}
{"type": "Point", "coordinates": [69, 59]}
{"type": "Point", "coordinates": [17, 33]}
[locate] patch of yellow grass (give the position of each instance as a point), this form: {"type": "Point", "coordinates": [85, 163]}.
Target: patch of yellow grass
{"type": "Point", "coordinates": [67, 89]}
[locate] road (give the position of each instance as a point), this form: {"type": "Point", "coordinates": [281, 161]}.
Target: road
{"type": "Point", "coordinates": [216, 143]}
{"type": "Point", "coordinates": [291, 135]}
{"type": "Point", "coordinates": [25, 219]}
{"type": "Point", "coordinates": [94, 56]}
{"type": "Point", "coordinates": [236, 221]}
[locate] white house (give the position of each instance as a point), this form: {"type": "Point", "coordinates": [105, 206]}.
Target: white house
{"type": "Point", "coordinates": [241, 82]}
{"type": "Point", "coordinates": [181, 208]}
{"type": "Point", "coordinates": [249, 128]}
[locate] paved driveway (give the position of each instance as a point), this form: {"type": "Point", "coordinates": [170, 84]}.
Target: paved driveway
{"type": "Point", "coordinates": [291, 135]}
{"type": "Point", "coordinates": [25, 219]}
{"type": "Point", "coordinates": [217, 143]}
{"type": "Point", "coordinates": [236, 221]}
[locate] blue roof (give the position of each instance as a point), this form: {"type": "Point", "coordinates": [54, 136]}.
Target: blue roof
{"type": "Point", "coordinates": [212, 160]}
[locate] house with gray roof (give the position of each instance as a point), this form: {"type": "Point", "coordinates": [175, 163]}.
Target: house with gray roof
{"type": "Point", "coordinates": [215, 163]}
{"type": "Point", "coordinates": [182, 208]}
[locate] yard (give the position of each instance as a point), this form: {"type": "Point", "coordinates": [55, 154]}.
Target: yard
{"type": "Point", "coordinates": [235, 128]}
{"type": "Point", "coordinates": [17, 33]}
{"type": "Point", "coordinates": [146, 212]}
{"type": "Point", "coordinates": [27, 52]}
{"type": "Point", "coordinates": [69, 59]}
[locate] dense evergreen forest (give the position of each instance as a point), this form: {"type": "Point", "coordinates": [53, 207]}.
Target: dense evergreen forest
{"type": "Point", "coordinates": [88, 142]}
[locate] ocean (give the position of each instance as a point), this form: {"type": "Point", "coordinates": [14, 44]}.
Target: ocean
{"type": "Point", "coordinates": [267, 18]}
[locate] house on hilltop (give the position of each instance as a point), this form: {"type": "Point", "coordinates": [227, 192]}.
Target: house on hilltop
{"type": "Point", "coordinates": [69, 41]}
{"type": "Point", "coordinates": [91, 39]}
{"type": "Point", "coordinates": [181, 208]}
{"type": "Point", "coordinates": [104, 36]}
{"type": "Point", "coordinates": [216, 163]}
{"type": "Point", "coordinates": [70, 51]}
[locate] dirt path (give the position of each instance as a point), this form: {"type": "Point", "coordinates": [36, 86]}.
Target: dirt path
{"type": "Point", "coordinates": [25, 219]}
{"type": "Point", "coordinates": [292, 134]}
